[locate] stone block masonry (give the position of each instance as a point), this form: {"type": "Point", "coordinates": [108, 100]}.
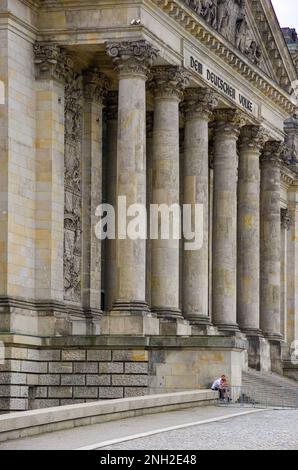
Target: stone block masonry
{"type": "Point", "coordinates": [54, 372]}
{"type": "Point", "coordinates": [33, 378]}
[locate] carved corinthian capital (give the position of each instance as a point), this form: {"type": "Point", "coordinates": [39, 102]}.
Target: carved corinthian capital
{"type": "Point", "coordinates": [272, 153]}
{"type": "Point", "coordinates": [169, 81]}
{"type": "Point", "coordinates": [132, 57]}
{"type": "Point", "coordinates": [96, 85]}
{"type": "Point", "coordinates": [199, 102]}
{"type": "Point", "coordinates": [51, 62]}
{"type": "Point", "coordinates": [228, 121]}
{"type": "Point", "coordinates": [252, 138]}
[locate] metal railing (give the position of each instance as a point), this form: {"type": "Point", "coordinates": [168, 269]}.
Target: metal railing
{"type": "Point", "coordinates": [260, 396]}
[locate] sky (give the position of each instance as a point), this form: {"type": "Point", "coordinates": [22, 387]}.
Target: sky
{"type": "Point", "coordinates": [287, 12]}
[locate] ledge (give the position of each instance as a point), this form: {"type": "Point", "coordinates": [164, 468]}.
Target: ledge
{"type": "Point", "coordinates": [29, 423]}
{"type": "Point", "coordinates": [119, 342]}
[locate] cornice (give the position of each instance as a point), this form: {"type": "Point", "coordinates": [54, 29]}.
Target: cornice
{"type": "Point", "coordinates": [288, 176]}
{"type": "Point", "coordinates": [265, 18]}
{"type": "Point", "coordinates": [217, 44]}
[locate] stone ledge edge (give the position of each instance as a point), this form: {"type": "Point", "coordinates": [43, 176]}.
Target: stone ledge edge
{"type": "Point", "coordinates": [23, 422]}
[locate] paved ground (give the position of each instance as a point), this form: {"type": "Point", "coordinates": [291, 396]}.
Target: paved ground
{"type": "Point", "coordinates": [265, 430]}
{"type": "Point", "coordinates": [276, 430]}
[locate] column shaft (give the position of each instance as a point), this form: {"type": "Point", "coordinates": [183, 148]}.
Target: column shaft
{"type": "Point", "coordinates": [49, 174]}
{"type": "Point", "coordinates": [169, 83]}
{"type": "Point", "coordinates": [111, 191]}
{"type": "Point", "coordinates": [132, 60]}
{"type": "Point", "coordinates": [270, 240]}
{"type": "Point", "coordinates": [224, 280]}
{"type": "Point", "coordinates": [248, 274]}
{"type": "Point", "coordinates": [196, 191]}
{"type": "Point", "coordinates": [95, 88]}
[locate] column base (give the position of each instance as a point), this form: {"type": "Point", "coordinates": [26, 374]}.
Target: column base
{"type": "Point", "coordinates": [228, 329]}
{"type": "Point", "coordinates": [197, 319]}
{"type": "Point", "coordinates": [135, 306]}
{"type": "Point", "coordinates": [168, 312]}
{"type": "Point", "coordinates": [174, 327]}
{"type": "Point", "coordinates": [129, 323]}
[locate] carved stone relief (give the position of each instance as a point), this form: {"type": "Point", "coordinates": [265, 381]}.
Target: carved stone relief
{"type": "Point", "coordinates": [229, 18]}
{"type": "Point", "coordinates": [73, 187]}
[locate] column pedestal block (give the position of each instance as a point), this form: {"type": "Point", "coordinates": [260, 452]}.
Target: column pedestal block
{"type": "Point", "coordinates": [174, 327]}
{"type": "Point", "coordinates": [258, 351]}
{"type": "Point", "coordinates": [131, 323]}
{"type": "Point", "coordinates": [200, 329]}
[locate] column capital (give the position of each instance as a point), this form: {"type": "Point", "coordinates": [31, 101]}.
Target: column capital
{"type": "Point", "coordinates": [96, 85]}
{"type": "Point", "coordinates": [272, 153]}
{"type": "Point", "coordinates": [228, 121]}
{"type": "Point", "coordinates": [286, 218]}
{"type": "Point", "coordinates": [252, 138]}
{"type": "Point", "coordinates": [199, 102]}
{"type": "Point", "coordinates": [169, 81]}
{"type": "Point", "coordinates": [51, 61]}
{"type": "Point", "coordinates": [132, 57]}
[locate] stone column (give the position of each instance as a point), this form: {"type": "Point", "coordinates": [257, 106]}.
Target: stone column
{"type": "Point", "coordinates": [286, 221]}
{"type": "Point", "coordinates": [198, 105]}
{"type": "Point", "coordinates": [169, 83]}
{"type": "Point", "coordinates": [224, 256]}
{"type": "Point", "coordinates": [111, 192]}
{"type": "Point", "coordinates": [132, 60]}
{"type": "Point", "coordinates": [95, 88]}
{"type": "Point", "coordinates": [149, 154]}
{"type": "Point", "coordinates": [270, 248]}
{"type": "Point", "coordinates": [292, 266]}
{"type": "Point", "coordinates": [252, 139]}
{"type": "Point", "coordinates": [49, 223]}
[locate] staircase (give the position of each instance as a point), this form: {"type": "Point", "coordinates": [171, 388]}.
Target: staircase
{"type": "Point", "coordinates": [269, 389]}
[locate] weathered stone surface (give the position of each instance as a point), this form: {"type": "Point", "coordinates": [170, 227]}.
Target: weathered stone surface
{"type": "Point", "coordinates": [85, 368]}
{"type": "Point", "coordinates": [74, 355]}
{"type": "Point", "coordinates": [12, 378]}
{"type": "Point", "coordinates": [60, 368]}
{"type": "Point", "coordinates": [110, 392]}
{"type": "Point", "coordinates": [130, 380]}
{"type": "Point", "coordinates": [98, 379]}
{"type": "Point", "coordinates": [136, 368]}
{"type": "Point", "coordinates": [99, 355]}
{"type": "Point", "coordinates": [49, 379]}
{"type": "Point", "coordinates": [135, 392]}
{"type": "Point", "coordinates": [60, 392]}
{"type": "Point", "coordinates": [73, 379]}
{"type": "Point", "coordinates": [126, 355]}
{"type": "Point", "coordinates": [13, 391]}
{"type": "Point", "coordinates": [111, 368]}
{"type": "Point", "coordinates": [85, 392]}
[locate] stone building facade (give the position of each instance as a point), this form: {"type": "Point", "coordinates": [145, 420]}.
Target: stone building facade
{"type": "Point", "coordinates": [164, 102]}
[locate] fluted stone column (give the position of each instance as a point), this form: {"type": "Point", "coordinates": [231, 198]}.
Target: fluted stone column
{"type": "Point", "coordinates": [270, 240]}
{"type": "Point", "coordinates": [224, 257]}
{"type": "Point", "coordinates": [50, 124]}
{"type": "Point", "coordinates": [149, 155]}
{"type": "Point", "coordinates": [270, 249]}
{"type": "Point", "coordinates": [95, 89]}
{"type": "Point", "coordinates": [111, 194]}
{"type": "Point", "coordinates": [252, 140]}
{"type": "Point", "coordinates": [132, 60]}
{"type": "Point", "coordinates": [198, 105]}
{"type": "Point", "coordinates": [169, 83]}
